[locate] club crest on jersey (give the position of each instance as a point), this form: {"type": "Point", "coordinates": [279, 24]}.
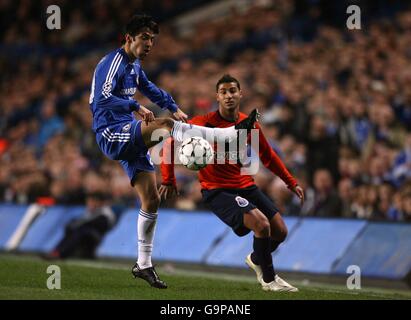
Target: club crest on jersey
{"type": "Point", "coordinates": [107, 87]}
{"type": "Point", "coordinates": [241, 201]}
{"type": "Point", "coordinates": [126, 128]}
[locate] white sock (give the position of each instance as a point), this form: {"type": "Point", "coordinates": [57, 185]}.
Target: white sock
{"type": "Point", "coordinates": [182, 131]}
{"type": "Point", "coordinates": [146, 226]}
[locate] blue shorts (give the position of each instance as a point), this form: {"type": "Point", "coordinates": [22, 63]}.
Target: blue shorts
{"type": "Point", "coordinates": [230, 205]}
{"type": "Point", "coordinates": [124, 142]}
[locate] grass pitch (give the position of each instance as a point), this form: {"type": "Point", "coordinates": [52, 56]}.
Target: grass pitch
{"type": "Point", "coordinates": [23, 277]}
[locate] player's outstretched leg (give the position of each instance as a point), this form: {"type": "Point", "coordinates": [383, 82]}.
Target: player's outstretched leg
{"type": "Point", "coordinates": [249, 122]}
{"type": "Point", "coordinates": [178, 130]}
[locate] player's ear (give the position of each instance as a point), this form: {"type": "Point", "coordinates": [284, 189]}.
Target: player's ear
{"type": "Point", "coordinates": [128, 38]}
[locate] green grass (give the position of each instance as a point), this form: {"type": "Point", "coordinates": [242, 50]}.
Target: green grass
{"type": "Point", "coordinates": [23, 277]}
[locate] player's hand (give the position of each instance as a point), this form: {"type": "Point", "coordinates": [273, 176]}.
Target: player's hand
{"type": "Point", "coordinates": [146, 114]}
{"type": "Point", "coordinates": [299, 192]}
{"type": "Point", "coordinates": [168, 191]}
{"type": "Point", "coordinates": [179, 115]}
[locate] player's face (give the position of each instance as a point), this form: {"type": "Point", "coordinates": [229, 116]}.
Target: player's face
{"type": "Point", "coordinates": [229, 95]}
{"type": "Point", "coordinates": [141, 44]}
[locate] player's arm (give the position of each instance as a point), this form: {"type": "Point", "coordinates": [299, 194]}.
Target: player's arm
{"type": "Point", "coordinates": [160, 97]}
{"type": "Point", "coordinates": [104, 82]}
{"type": "Point", "coordinates": [272, 162]}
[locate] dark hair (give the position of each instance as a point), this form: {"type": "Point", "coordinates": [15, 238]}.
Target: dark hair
{"type": "Point", "coordinates": [98, 195]}
{"type": "Point", "coordinates": [227, 79]}
{"type": "Point", "coordinates": [139, 22]}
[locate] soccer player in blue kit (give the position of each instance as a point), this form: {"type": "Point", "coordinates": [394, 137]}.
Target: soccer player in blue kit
{"type": "Point", "coordinates": [121, 137]}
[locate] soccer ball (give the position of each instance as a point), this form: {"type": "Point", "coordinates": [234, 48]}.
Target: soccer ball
{"type": "Point", "coordinates": [195, 153]}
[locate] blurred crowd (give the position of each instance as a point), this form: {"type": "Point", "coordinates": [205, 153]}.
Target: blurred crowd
{"type": "Point", "coordinates": [336, 103]}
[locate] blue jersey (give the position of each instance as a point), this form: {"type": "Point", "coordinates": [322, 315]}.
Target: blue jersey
{"type": "Point", "coordinates": [115, 82]}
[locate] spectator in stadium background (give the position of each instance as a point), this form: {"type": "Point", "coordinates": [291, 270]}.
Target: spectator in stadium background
{"type": "Point", "coordinates": [385, 127]}
{"type": "Point", "coordinates": [322, 148]}
{"type": "Point", "coordinates": [385, 199]}
{"type": "Point", "coordinates": [401, 170]}
{"type": "Point", "coordinates": [360, 206]}
{"type": "Point", "coordinates": [83, 235]}
{"type": "Point", "coordinates": [356, 170]}
{"type": "Point", "coordinates": [282, 197]}
{"type": "Point", "coordinates": [377, 171]}
{"type": "Point", "coordinates": [365, 202]}
{"type": "Point", "coordinates": [346, 195]}
{"type": "Point", "coordinates": [394, 212]}
{"type": "Point", "coordinates": [349, 164]}
{"type": "Point", "coordinates": [51, 123]}
{"type": "Point", "coordinates": [294, 153]}
{"type": "Point", "coordinates": [354, 131]}
{"type": "Point", "coordinates": [25, 182]}
{"type": "Point", "coordinates": [372, 201]}
{"type": "Point", "coordinates": [406, 207]}
{"type": "Point", "coordinates": [322, 200]}
{"type": "Point", "coordinates": [71, 125]}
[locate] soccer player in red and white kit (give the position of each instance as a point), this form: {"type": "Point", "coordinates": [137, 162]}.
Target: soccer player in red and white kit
{"type": "Point", "coordinates": [234, 197]}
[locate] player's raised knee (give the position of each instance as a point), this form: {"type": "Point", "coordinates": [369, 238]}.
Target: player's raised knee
{"type": "Point", "coordinates": [166, 123]}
